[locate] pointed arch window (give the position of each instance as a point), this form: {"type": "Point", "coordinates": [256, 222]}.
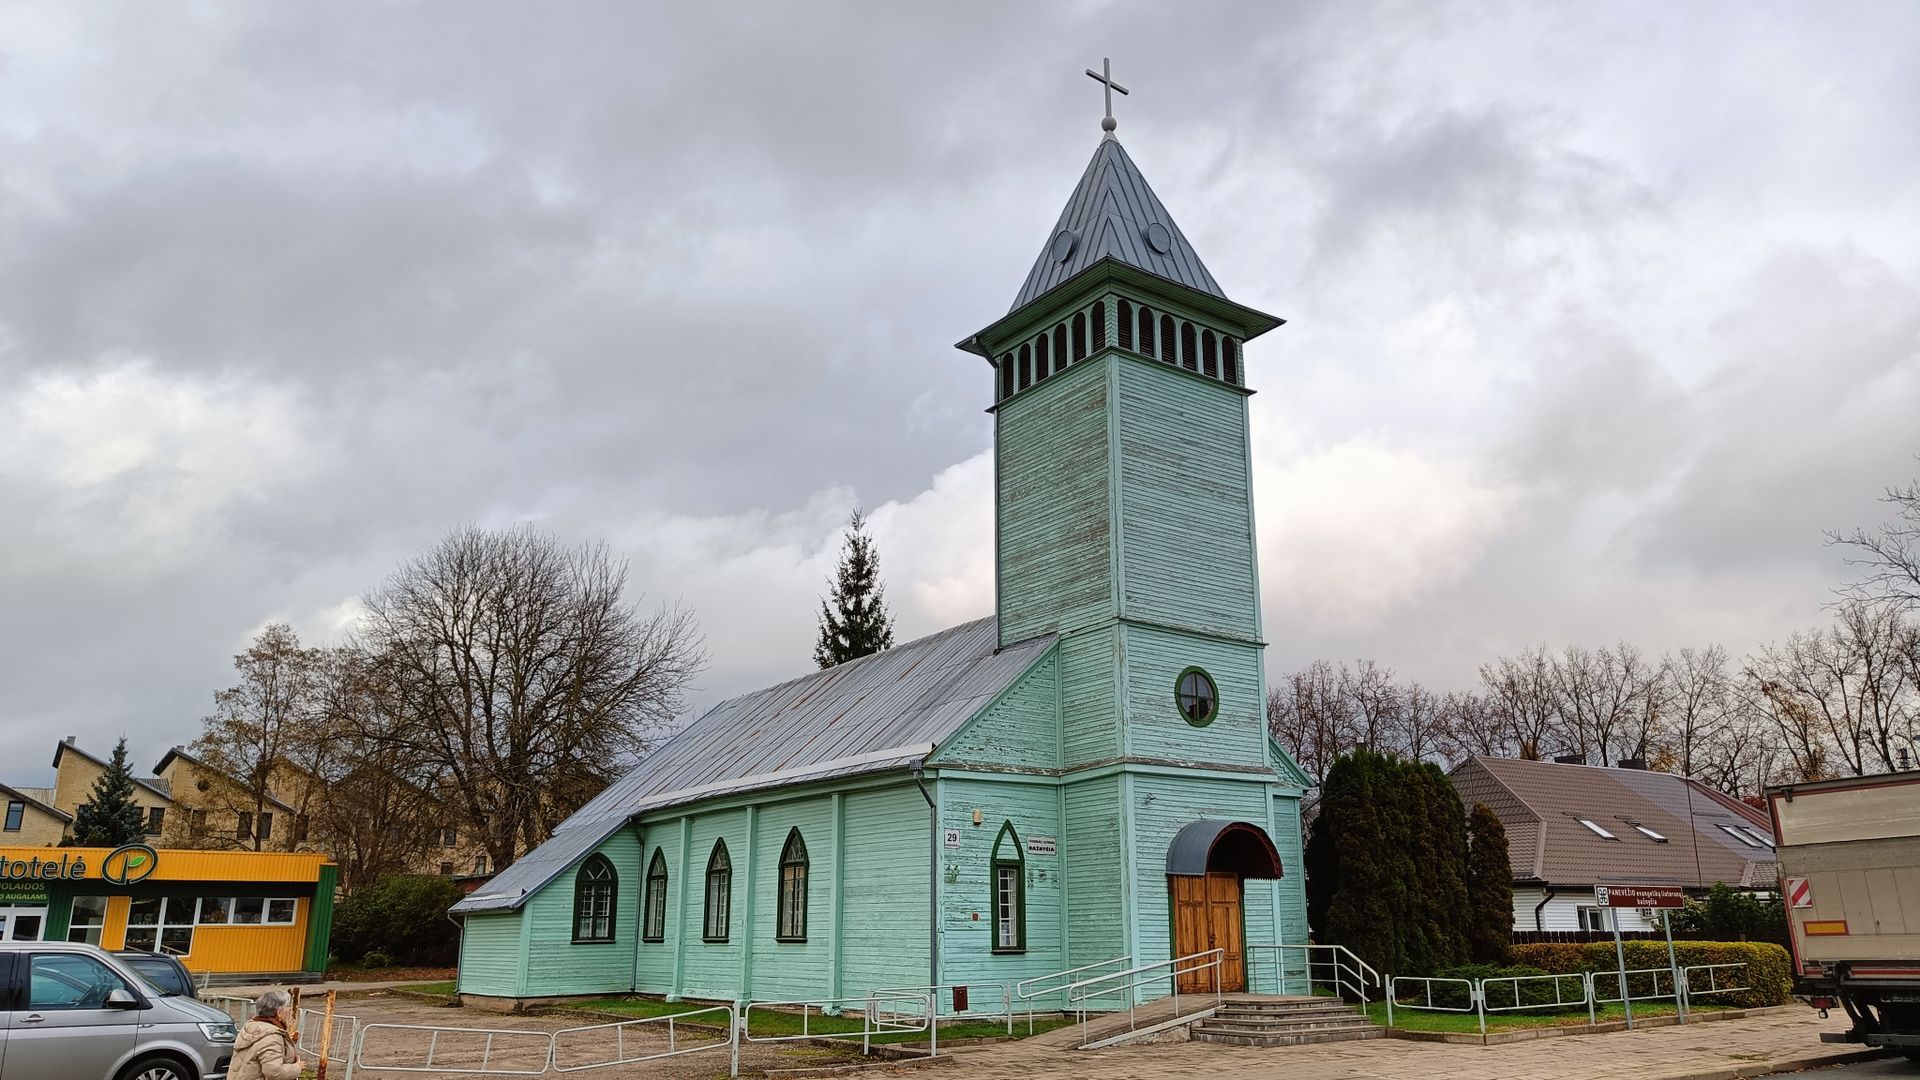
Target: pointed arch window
{"type": "Point", "coordinates": [1168, 347]}
{"type": "Point", "coordinates": [653, 917]}
{"type": "Point", "coordinates": [1006, 376]}
{"type": "Point", "coordinates": [1009, 893]}
{"type": "Point", "coordinates": [1126, 325]}
{"type": "Point", "coordinates": [719, 893]}
{"type": "Point", "coordinates": [1079, 336]}
{"type": "Point", "coordinates": [1040, 358]}
{"type": "Point", "coordinates": [1146, 332]}
{"type": "Point", "coordinates": [1099, 325]}
{"type": "Point", "coordinates": [1209, 354]}
{"type": "Point", "coordinates": [1060, 360]}
{"type": "Point", "coordinates": [793, 890]}
{"type": "Point", "coordinates": [594, 890]}
{"type": "Point", "coordinates": [1230, 360]}
{"type": "Point", "coordinates": [1026, 366]}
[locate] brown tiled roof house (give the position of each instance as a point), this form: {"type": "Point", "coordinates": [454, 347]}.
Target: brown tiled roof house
{"type": "Point", "coordinates": [1570, 827]}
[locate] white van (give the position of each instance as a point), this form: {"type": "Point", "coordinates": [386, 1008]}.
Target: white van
{"type": "Point", "coordinates": [74, 1012]}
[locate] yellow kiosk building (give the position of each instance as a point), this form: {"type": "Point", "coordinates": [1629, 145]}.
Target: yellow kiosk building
{"type": "Point", "coordinates": [220, 912]}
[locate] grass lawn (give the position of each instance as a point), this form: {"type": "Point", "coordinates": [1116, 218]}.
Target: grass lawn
{"type": "Point", "coordinates": [433, 988]}
{"type": "Point", "coordinates": [1412, 1020]}
{"type": "Point", "coordinates": [769, 1022]}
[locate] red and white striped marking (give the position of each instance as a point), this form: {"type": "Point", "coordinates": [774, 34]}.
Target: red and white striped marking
{"type": "Point", "coordinates": [1799, 892]}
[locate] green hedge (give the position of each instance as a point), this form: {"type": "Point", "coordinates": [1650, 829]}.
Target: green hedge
{"type": "Point", "coordinates": [1768, 975]}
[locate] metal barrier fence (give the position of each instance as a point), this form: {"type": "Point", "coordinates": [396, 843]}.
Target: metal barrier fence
{"type": "Point", "coordinates": [340, 1051]}
{"type": "Point", "coordinates": [1712, 978]}
{"type": "Point", "coordinates": [999, 994]}
{"type": "Point", "coordinates": [1057, 982]}
{"type": "Point", "coordinates": [876, 1019]}
{"type": "Point", "coordinates": [1561, 993]}
{"type": "Point", "coordinates": [461, 1046]}
{"type": "Point", "coordinates": [645, 1035]}
{"type": "Point", "coordinates": [1426, 1003]}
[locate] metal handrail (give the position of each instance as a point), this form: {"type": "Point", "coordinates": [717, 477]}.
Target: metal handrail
{"type": "Point", "coordinates": [1350, 973]}
{"type": "Point", "coordinates": [730, 1041]}
{"type": "Point", "coordinates": [1027, 991]}
{"type": "Point", "coordinates": [1079, 993]}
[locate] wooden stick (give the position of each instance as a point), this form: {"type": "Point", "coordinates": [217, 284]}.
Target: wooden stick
{"type": "Point", "coordinates": [326, 1037]}
{"type": "Point", "coordinates": [294, 1023]}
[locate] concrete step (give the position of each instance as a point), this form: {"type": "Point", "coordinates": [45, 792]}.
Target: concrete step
{"type": "Point", "coordinates": [1232, 1009]}
{"type": "Point", "coordinates": [1205, 1031]}
{"type": "Point", "coordinates": [1258, 1026]}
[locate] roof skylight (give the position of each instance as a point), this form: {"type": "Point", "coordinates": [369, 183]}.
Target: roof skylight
{"type": "Point", "coordinates": [1597, 830]}
{"type": "Point", "coordinates": [1745, 836]}
{"type": "Point", "coordinates": [1649, 833]}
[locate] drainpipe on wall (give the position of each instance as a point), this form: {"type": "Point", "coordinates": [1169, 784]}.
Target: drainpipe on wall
{"type": "Point", "coordinates": [1538, 921]}
{"type": "Point", "coordinates": [933, 876]}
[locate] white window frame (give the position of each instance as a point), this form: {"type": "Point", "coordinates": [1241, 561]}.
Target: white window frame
{"type": "Point", "coordinates": [1594, 918]}
{"type": "Point", "coordinates": [168, 921]}
{"type": "Point", "coordinates": [99, 929]}
{"type": "Point", "coordinates": [1649, 833]}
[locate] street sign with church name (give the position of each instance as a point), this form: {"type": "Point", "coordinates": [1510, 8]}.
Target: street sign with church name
{"type": "Point", "coordinates": [1639, 896]}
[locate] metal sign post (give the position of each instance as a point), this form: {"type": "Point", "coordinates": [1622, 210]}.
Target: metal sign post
{"type": "Point", "coordinates": [1620, 954]}
{"type": "Point", "coordinates": [1665, 897]}
{"type": "Point", "coordinates": [1673, 965]}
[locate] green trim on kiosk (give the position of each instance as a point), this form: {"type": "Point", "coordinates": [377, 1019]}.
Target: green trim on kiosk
{"type": "Point", "coordinates": [320, 919]}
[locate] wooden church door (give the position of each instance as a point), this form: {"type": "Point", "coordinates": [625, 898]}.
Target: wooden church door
{"type": "Point", "coordinates": [1207, 915]}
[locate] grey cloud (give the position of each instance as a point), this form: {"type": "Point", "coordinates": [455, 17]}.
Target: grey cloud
{"type": "Point", "coordinates": [687, 275]}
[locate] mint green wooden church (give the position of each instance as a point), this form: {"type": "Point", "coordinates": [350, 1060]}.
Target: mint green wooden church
{"type": "Point", "coordinates": [1083, 777]}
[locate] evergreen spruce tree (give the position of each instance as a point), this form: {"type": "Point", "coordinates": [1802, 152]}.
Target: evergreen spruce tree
{"type": "Point", "coordinates": [110, 817]}
{"type": "Point", "coordinates": [1489, 888]}
{"type": "Point", "coordinates": [1386, 864]}
{"type": "Point", "coordinates": [853, 616]}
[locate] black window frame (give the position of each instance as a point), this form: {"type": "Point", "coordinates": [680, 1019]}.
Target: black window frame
{"type": "Point", "coordinates": [790, 908]}
{"type": "Point", "coordinates": [587, 890]}
{"type": "Point", "coordinates": [1016, 862]}
{"type": "Point", "coordinates": [156, 822]}
{"type": "Point", "coordinates": [653, 906]}
{"type": "Point", "coordinates": [16, 815]}
{"type": "Point", "coordinates": [720, 872]}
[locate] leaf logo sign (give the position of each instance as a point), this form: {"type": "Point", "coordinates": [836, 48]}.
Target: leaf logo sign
{"type": "Point", "coordinates": [129, 864]}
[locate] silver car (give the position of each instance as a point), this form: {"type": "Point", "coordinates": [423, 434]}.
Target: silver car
{"type": "Point", "coordinates": [74, 1012]}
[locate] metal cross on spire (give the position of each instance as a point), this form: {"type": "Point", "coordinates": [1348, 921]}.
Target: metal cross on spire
{"type": "Point", "coordinates": [1105, 77]}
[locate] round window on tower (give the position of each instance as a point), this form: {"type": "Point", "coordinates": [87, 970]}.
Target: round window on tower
{"type": "Point", "coordinates": [1198, 700]}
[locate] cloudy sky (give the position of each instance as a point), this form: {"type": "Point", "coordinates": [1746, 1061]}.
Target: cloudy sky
{"type": "Point", "coordinates": [1599, 313]}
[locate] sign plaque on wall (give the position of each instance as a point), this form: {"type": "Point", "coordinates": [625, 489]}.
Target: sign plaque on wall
{"type": "Point", "coordinates": [1042, 845]}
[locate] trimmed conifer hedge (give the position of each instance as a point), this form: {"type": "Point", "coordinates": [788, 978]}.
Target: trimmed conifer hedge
{"type": "Point", "coordinates": [1768, 976]}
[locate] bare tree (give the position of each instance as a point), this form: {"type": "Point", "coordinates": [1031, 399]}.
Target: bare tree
{"type": "Point", "coordinates": [1310, 716]}
{"type": "Point", "coordinates": [255, 720]}
{"type": "Point", "coordinates": [1522, 691]}
{"type": "Point", "coordinates": [376, 803]}
{"type": "Point", "coordinates": [1699, 698]}
{"type": "Point", "coordinates": [1373, 701]}
{"type": "Point", "coordinates": [525, 674]}
{"type": "Point", "coordinates": [1471, 725]}
{"type": "Point", "coordinates": [1600, 697]}
{"type": "Point", "coordinates": [1423, 717]}
{"type": "Point", "coordinates": [1889, 555]}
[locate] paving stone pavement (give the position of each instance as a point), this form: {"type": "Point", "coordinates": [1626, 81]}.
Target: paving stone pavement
{"type": "Point", "coordinates": [1721, 1049]}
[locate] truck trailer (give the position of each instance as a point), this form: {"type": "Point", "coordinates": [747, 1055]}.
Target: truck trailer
{"type": "Point", "coordinates": [1850, 876]}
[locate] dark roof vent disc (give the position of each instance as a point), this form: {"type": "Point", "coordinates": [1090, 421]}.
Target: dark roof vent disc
{"type": "Point", "coordinates": [1158, 238]}
{"type": "Point", "coordinates": [1063, 245]}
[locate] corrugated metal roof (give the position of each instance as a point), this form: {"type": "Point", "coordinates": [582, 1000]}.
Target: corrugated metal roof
{"type": "Point", "coordinates": [1108, 217]}
{"type": "Point", "coordinates": [880, 712]}
{"type": "Point", "coordinates": [1541, 804]}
